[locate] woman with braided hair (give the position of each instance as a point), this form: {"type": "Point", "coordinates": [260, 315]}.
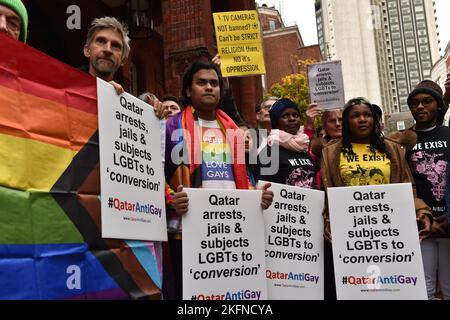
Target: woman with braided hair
{"type": "Point", "coordinates": [363, 150]}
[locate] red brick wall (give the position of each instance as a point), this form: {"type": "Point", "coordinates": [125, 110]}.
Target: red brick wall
{"type": "Point", "coordinates": [148, 57]}
{"type": "Point", "coordinates": [281, 54]}
{"type": "Point", "coordinates": [311, 52]}
{"type": "Point", "coordinates": [279, 57]}
{"type": "Point", "coordinates": [265, 18]}
{"type": "Point", "coordinates": [247, 93]}
{"type": "Point", "coordinates": [188, 35]}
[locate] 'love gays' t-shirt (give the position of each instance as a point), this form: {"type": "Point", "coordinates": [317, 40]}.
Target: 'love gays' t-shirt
{"type": "Point", "coordinates": [217, 168]}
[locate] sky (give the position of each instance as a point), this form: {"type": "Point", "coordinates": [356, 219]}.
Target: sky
{"type": "Point", "coordinates": [302, 12]}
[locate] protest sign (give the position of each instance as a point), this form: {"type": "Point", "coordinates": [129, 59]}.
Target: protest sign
{"type": "Point", "coordinates": [326, 85]}
{"type": "Point", "coordinates": [132, 179]}
{"type": "Point", "coordinates": [239, 43]}
{"type": "Point", "coordinates": [376, 247]}
{"type": "Point", "coordinates": [294, 244]}
{"type": "Point", "coordinates": [223, 246]}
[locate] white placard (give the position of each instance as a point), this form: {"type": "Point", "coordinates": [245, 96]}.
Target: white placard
{"type": "Point", "coordinates": [294, 243]}
{"type": "Point", "coordinates": [376, 248]}
{"type": "Point", "coordinates": [326, 85]}
{"type": "Point", "coordinates": [223, 246]}
{"type": "Point", "coordinates": [131, 172]}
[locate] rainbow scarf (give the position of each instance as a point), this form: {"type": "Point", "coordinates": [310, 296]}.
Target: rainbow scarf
{"type": "Point", "coordinates": [50, 228]}
{"type": "Point", "coordinates": [189, 173]}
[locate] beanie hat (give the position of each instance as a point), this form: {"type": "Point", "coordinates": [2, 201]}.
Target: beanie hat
{"type": "Point", "coordinates": [21, 11]}
{"type": "Point", "coordinates": [278, 108]}
{"type": "Point", "coordinates": [433, 89]}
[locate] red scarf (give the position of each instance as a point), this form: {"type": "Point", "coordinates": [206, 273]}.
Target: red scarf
{"type": "Point", "coordinates": [188, 123]}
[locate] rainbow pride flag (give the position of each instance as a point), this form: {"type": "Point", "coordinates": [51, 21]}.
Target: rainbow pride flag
{"type": "Point", "coordinates": [50, 229]}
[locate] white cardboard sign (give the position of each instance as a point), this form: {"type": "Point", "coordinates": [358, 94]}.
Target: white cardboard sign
{"type": "Point", "coordinates": [223, 246]}
{"type": "Point", "coordinates": [131, 172]}
{"type": "Point", "coordinates": [376, 248]}
{"type": "Point", "coordinates": [326, 85]}
{"type": "Point", "coordinates": [294, 244]}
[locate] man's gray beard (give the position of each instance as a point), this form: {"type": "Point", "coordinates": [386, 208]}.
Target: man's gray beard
{"type": "Point", "coordinates": [103, 70]}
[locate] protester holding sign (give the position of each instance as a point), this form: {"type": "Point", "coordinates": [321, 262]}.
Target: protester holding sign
{"type": "Point", "coordinates": [331, 122]}
{"type": "Point", "coordinates": [55, 211]}
{"type": "Point", "coordinates": [199, 150]}
{"type": "Point", "coordinates": [296, 166]}
{"type": "Point", "coordinates": [363, 150]}
{"type": "Point", "coordinates": [107, 48]}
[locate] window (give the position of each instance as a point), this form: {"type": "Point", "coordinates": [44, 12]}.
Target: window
{"type": "Point", "coordinates": [271, 25]}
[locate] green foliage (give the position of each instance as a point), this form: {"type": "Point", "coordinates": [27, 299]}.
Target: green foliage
{"type": "Point", "coordinates": [295, 88]}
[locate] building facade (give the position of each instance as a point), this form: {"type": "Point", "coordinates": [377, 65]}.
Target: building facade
{"type": "Point", "coordinates": [401, 36]}
{"type": "Point", "coordinates": [439, 74]}
{"type": "Point", "coordinates": [352, 41]}
{"type": "Point", "coordinates": [414, 44]}
{"type": "Point", "coordinates": [167, 35]}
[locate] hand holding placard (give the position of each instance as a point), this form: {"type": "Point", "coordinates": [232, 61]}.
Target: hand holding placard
{"type": "Point", "coordinates": [374, 229]}
{"type": "Point", "coordinates": [223, 246]}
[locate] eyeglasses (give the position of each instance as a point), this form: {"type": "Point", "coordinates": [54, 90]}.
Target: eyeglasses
{"type": "Point", "coordinates": [267, 107]}
{"type": "Point", "coordinates": [414, 103]}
